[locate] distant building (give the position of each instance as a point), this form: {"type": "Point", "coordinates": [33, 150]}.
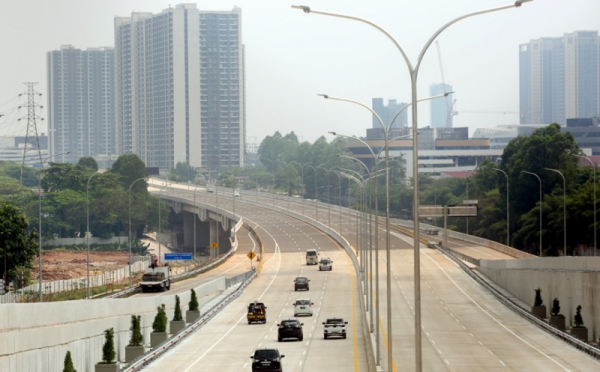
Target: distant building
{"type": "Point", "coordinates": [559, 78]}
{"type": "Point", "coordinates": [387, 113]}
{"type": "Point", "coordinates": [586, 133]}
{"type": "Point", "coordinates": [81, 102]}
{"type": "Point", "coordinates": [12, 148]}
{"type": "Point", "coordinates": [252, 147]}
{"type": "Point", "coordinates": [501, 135]}
{"type": "Point", "coordinates": [181, 87]}
{"type": "Point", "coordinates": [440, 117]}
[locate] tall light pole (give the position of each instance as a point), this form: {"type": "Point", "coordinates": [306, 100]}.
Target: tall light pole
{"type": "Point", "coordinates": [467, 186]}
{"type": "Point", "coordinates": [507, 208]}
{"type": "Point", "coordinates": [87, 232]}
{"type": "Point", "coordinates": [40, 216]}
{"type": "Point", "coordinates": [564, 208]}
{"type": "Point", "coordinates": [539, 179]}
{"type": "Point", "coordinates": [303, 189]}
{"type": "Point", "coordinates": [157, 236]}
{"type": "Point", "coordinates": [195, 209]}
{"type": "Point", "coordinates": [413, 71]}
{"type": "Point", "coordinates": [130, 186]}
{"type": "Point", "coordinates": [316, 195]}
{"type": "Point", "coordinates": [328, 200]}
{"type": "Point", "coordinates": [288, 181]}
{"type": "Point", "coordinates": [273, 190]}
{"type": "Point", "coordinates": [594, 174]}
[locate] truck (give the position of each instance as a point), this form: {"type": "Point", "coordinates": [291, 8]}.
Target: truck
{"type": "Point", "coordinates": [156, 278]}
{"type": "Point", "coordinates": [257, 312]}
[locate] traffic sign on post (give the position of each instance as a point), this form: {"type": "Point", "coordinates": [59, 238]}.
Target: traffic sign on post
{"type": "Point", "coordinates": [178, 256]}
{"type": "Point", "coordinates": [251, 255]}
{"type": "Point", "coordinates": [214, 245]}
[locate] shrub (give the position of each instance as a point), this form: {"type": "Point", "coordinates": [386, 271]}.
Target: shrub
{"type": "Point", "coordinates": [193, 304]}
{"type": "Point", "coordinates": [137, 339]}
{"type": "Point", "coordinates": [538, 298]}
{"type": "Point", "coordinates": [177, 316]}
{"type": "Point", "coordinates": [578, 318]}
{"type": "Point", "coordinates": [555, 307]}
{"type": "Point", "coordinates": [69, 363]}
{"type": "Point", "coordinates": [108, 350]}
{"type": "Point", "coordinates": [160, 321]}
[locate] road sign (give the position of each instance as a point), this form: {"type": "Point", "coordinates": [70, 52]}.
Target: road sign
{"type": "Point", "coordinates": [214, 245]}
{"type": "Point", "coordinates": [251, 255]}
{"type": "Point", "coordinates": [177, 256]}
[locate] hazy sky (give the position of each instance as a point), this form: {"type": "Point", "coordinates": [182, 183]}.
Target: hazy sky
{"type": "Point", "coordinates": [292, 56]}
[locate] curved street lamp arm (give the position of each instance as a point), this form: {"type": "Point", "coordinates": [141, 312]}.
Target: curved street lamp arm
{"type": "Point", "coordinates": [357, 139]}
{"type": "Point", "coordinates": [409, 104]}
{"type": "Point", "coordinates": [356, 160]}
{"type": "Point", "coordinates": [358, 103]}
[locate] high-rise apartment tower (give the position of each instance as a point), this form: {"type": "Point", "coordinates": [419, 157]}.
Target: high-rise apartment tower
{"type": "Point", "coordinates": [387, 113]}
{"type": "Point", "coordinates": [440, 107]}
{"type": "Point", "coordinates": [180, 87]}
{"type": "Point", "coordinates": [81, 105]}
{"type": "Point", "coordinates": [560, 78]}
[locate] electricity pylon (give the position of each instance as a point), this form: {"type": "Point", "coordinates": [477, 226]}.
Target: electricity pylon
{"type": "Point", "coordinates": [32, 134]}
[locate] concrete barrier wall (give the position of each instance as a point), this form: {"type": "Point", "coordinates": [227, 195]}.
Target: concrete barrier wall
{"type": "Point", "coordinates": [36, 337]}
{"type": "Point", "coordinates": [574, 281]}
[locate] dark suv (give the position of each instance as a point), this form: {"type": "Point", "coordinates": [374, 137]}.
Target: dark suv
{"type": "Point", "coordinates": [290, 328]}
{"type": "Point", "coordinates": [301, 282]}
{"type": "Point", "coordinates": [266, 360]}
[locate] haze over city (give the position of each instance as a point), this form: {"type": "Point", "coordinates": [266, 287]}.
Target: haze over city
{"type": "Point", "coordinates": [291, 57]}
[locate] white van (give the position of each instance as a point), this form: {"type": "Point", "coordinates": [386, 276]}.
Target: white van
{"type": "Point", "coordinates": [303, 306]}
{"type": "Point", "coordinates": [312, 257]}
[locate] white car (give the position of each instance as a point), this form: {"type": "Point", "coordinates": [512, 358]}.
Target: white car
{"type": "Point", "coordinates": [325, 264]}
{"type": "Point", "coordinates": [303, 306]}
{"type": "Point", "coordinates": [236, 194]}
{"type": "Point", "coordinates": [334, 327]}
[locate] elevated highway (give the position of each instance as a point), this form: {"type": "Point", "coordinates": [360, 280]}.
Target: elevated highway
{"type": "Point", "coordinates": [465, 328]}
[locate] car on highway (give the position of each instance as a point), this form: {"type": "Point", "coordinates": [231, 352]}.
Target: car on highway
{"type": "Point", "coordinates": [325, 264]}
{"type": "Point", "coordinates": [312, 256]}
{"type": "Point", "coordinates": [267, 359]}
{"type": "Point", "coordinates": [335, 327]}
{"type": "Point", "coordinates": [257, 312]}
{"type": "Point", "coordinates": [303, 306]}
{"type": "Point", "coordinates": [301, 282]}
{"type": "Point", "coordinates": [290, 328]}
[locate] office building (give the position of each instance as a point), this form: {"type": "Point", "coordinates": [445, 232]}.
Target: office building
{"type": "Point", "coordinates": [81, 104]}
{"type": "Point", "coordinates": [559, 78]}
{"type": "Point", "coordinates": [180, 87]}
{"type": "Point", "coordinates": [387, 113]}
{"type": "Point", "coordinates": [12, 149]}
{"type": "Point", "coordinates": [441, 108]}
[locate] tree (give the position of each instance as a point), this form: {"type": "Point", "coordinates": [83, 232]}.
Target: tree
{"type": "Point", "coordinates": [130, 167]}
{"type": "Point", "coordinates": [137, 339]}
{"type": "Point", "coordinates": [177, 315]}
{"type": "Point", "coordinates": [193, 305]}
{"type": "Point", "coordinates": [160, 320]}
{"type": "Point", "coordinates": [63, 176]}
{"type": "Point", "coordinates": [88, 162]}
{"type": "Point", "coordinates": [18, 245]}
{"type": "Point", "coordinates": [13, 170]}
{"type": "Point", "coordinates": [68, 366]}
{"type": "Point", "coordinates": [108, 349]}
{"type": "Point", "coordinates": [578, 318]}
{"type": "Point", "coordinates": [538, 298]}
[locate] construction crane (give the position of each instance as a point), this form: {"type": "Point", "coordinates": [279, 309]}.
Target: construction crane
{"type": "Point", "coordinates": [450, 108]}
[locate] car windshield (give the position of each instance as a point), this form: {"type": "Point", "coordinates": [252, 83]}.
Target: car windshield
{"type": "Point", "coordinates": [300, 280]}
{"type": "Point", "coordinates": [303, 302]}
{"type": "Point", "coordinates": [289, 322]}
{"type": "Point", "coordinates": [265, 354]}
{"type": "Point", "coordinates": [335, 321]}
{"type": "Point", "coordinates": [311, 253]}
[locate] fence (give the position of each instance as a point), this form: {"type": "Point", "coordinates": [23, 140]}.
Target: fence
{"type": "Point", "coordinates": [56, 286]}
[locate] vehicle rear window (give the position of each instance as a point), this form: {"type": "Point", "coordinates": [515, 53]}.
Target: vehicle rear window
{"type": "Point", "coordinates": [335, 321]}
{"type": "Point", "coordinates": [311, 253]}
{"type": "Point", "coordinates": [300, 280]}
{"type": "Point", "coordinates": [302, 302]}
{"type": "Point", "coordinates": [289, 322]}
{"type": "Point", "coordinates": [265, 354]}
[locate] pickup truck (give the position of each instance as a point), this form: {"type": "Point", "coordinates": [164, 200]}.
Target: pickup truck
{"type": "Point", "coordinates": [257, 312]}
{"type": "Point", "coordinates": [156, 279]}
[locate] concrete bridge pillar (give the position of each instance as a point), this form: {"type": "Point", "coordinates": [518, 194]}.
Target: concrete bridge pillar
{"type": "Point", "coordinates": [203, 237]}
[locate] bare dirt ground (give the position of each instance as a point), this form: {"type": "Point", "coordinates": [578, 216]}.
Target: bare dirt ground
{"type": "Point", "coordinates": [59, 265]}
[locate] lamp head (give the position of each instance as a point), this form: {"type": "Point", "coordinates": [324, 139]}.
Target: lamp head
{"type": "Point", "coordinates": [334, 133]}
{"type": "Point", "coordinates": [518, 3]}
{"type": "Point", "coordinates": [305, 9]}
{"type": "Point", "coordinates": [323, 95]}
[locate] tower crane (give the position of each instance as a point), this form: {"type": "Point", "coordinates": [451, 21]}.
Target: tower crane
{"type": "Point", "coordinates": [450, 107]}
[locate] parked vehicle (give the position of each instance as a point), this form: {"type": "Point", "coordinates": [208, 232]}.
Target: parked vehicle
{"type": "Point", "coordinates": [312, 256]}
{"type": "Point", "coordinates": [290, 328]}
{"type": "Point", "coordinates": [257, 312]}
{"type": "Point", "coordinates": [301, 282]}
{"type": "Point", "coordinates": [209, 189]}
{"type": "Point", "coordinates": [335, 327]}
{"type": "Point", "coordinates": [303, 306]}
{"type": "Point", "coordinates": [267, 360]}
{"type": "Point", "coordinates": [156, 278]}
{"type": "Point", "coordinates": [236, 194]}
{"type": "Point", "coordinates": [325, 264]}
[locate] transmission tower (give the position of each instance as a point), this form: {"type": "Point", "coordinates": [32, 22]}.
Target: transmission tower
{"type": "Point", "coordinates": [31, 137]}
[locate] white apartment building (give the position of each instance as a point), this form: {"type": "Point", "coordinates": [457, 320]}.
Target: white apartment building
{"type": "Point", "coordinates": [180, 87]}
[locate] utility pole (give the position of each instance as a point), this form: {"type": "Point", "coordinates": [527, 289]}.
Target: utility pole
{"type": "Point", "coordinates": [31, 126]}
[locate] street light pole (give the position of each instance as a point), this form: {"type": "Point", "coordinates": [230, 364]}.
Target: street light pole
{"type": "Point", "coordinates": [273, 185]}
{"type": "Point", "coordinates": [87, 233]}
{"type": "Point", "coordinates": [303, 189]}
{"type": "Point", "coordinates": [539, 179]}
{"type": "Point", "coordinates": [40, 218]}
{"type": "Point", "coordinates": [413, 71]}
{"type": "Point", "coordinates": [157, 236]}
{"type": "Point", "coordinates": [130, 186]}
{"type": "Point", "coordinates": [288, 181]}
{"type": "Point", "coordinates": [316, 193]}
{"type": "Point", "coordinates": [195, 209]}
{"type": "Point", "coordinates": [594, 174]}
{"type": "Point", "coordinates": [507, 208]}
{"type": "Point", "coordinates": [564, 208]}
{"type": "Point", "coordinates": [328, 200]}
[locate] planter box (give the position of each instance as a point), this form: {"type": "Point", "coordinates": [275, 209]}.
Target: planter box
{"type": "Point", "coordinates": [580, 332]}
{"type": "Point", "coordinates": [156, 338]}
{"type": "Point", "coordinates": [539, 311]}
{"type": "Point", "coordinates": [557, 321]}
{"type": "Point", "coordinates": [107, 367]}
{"type": "Point", "coordinates": [176, 326]}
{"type": "Point", "coordinates": [132, 352]}
{"type": "Point", "coordinates": [191, 316]}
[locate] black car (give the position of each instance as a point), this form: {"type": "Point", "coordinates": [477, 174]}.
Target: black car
{"type": "Point", "coordinates": [301, 282]}
{"type": "Point", "coordinates": [290, 328]}
{"type": "Point", "coordinates": [266, 360]}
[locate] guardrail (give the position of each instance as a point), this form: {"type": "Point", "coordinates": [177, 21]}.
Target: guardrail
{"type": "Point", "coordinates": [573, 341]}
{"type": "Point", "coordinates": [157, 352]}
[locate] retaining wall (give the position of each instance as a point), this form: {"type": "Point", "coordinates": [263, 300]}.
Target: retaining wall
{"type": "Point", "coordinates": [574, 281]}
